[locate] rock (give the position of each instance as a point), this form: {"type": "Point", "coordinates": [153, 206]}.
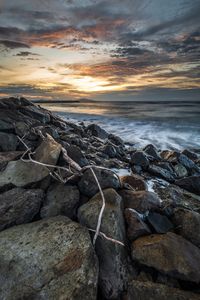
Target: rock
{"type": "Point", "coordinates": [173, 196]}
{"type": "Point", "coordinates": [96, 130]}
{"type": "Point", "coordinates": [134, 181]}
{"type": "Point", "coordinates": [139, 158]}
{"type": "Point", "coordinates": [180, 170]}
{"type": "Point", "coordinates": [48, 259]}
{"type": "Point", "coordinates": [187, 163]}
{"type": "Point", "coordinates": [152, 151]}
{"type": "Point", "coordinates": [136, 227]}
{"type": "Point", "coordinates": [37, 113]}
{"type": "Point", "coordinates": [11, 155]}
{"type": "Point", "coordinates": [112, 256]}
{"type": "Point", "coordinates": [77, 155]}
{"type": "Point", "coordinates": [191, 155]}
{"type": "Point", "coordinates": [20, 174]}
{"type": "Point", "coordinates": [110, 150]}
{"type": "Point", "coordinates": [171, 156]}
{"type": "Point", "coordinates": [106, 178]}
{"type": "Point", "coordinates": [162, 173]}
{"type": "Point", "coordinates": [170, 254]}
{"type": "Point", "coordinates": [191, 184]}
{"type": "Point", "coordinates": [116, 140]}
{"type": "Point", "coordinates": [188, 224]}
{"type": "Point", "coordinates": [19, 206]}
{"type": "Point", "coordinates": [160, 223]}
{"type": "Point", "coordinates": [8, 142]}
{"type": "Point", "coordinates": [48, 151]}
{"type": "Point", "coordinates": [141, 201]}
{"type": "Point", "coordinates": [61, 199]}
{"type": "Point", "coordinates": [148, 290]}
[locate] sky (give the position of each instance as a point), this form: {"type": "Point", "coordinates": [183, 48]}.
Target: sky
{"type": "Point", "coordinates": [103, 50]}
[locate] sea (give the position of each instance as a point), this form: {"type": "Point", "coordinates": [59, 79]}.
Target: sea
{"type": "Point", "coordinates": [167, 125]}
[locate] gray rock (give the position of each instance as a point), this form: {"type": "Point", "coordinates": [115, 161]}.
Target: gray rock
{"type": "Point", "coordinates": [77, 155]}
{"type": "Point", "coordinates": [116, 140]}
{"type": "Point", "coordinates": [160, 223]}
{"type": "Point", "coordinates": [162, 173]}
{"type": "Point", "coordinates": [135, 225]}
{"type": "Point", "coordinates": [148, 290]}
{"type": "Point", "coordinates": [152, 151]}
{"type": "Point", "coordinates": [186, 162]}
{"type": "Point", "coordinates": [19, 206]}
{"type": "Point", "coordinates": [191, 155]}
{"type": "Point", "coordinates": [191, 184]}
{"type": "Point", "coordinates": [8, 142]}
{"type": "Point", "coordinates": [11, 155]}
{"type": "Point", "coordinates": [61, 199]}
{"type": "Point", "coordinates": [180, 170]}
{"type": "Point", "coordinates": [96, 130]}
{"type": "Point", "coordinates": [110, 150]}
{"type": "Point", "coordinates": [141, 201]}
{"type": "Point", "coordinates": [139, 158]}
{"type": "Point", "coordinates": [188, 225]}
{"type": "Point", "coordinates": [20, 174]}
{"type": "Point", "coordinates": [106, 178]}
{"type": "Point", "coordinates": [170, 254]}
{"type": "Point", "coordinates": [112, 257]}
{"type": "Point", "coordinates": [36, 113]}
{"type": "Point", "coordinates": [49, 259]}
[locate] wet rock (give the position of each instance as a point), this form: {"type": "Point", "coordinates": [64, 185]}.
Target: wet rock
{"type": "Point", "coordinates": [61, 199]}
{"type": "Point", "coordinates": [153, 291]}
{"type": "Point", "coordinates": [188, 225]}
{"type": "Point", "coordinates": [139, 158]}
{"type": "Point", "coordinates": [107, 179]}
{"type": "Point", "coordinates": [191, 184]}
{"type": "Point", "coordinates": [187, 163]}
{"type": "Point", "coordinates": [141, 201]}
{"type": "Point", "coordinates": [152, 151]}
{"type": "Point", "coordinates": [19, 206]}
{"type": "Point", "coordinates": [48, 151]}
{"type": "Point", "coordinates": [110, 150]}
{"type": "Point", "coordinates": [134, 181]}
{"type": "Point", "coordinates": [160, 223]}
{"type": "Point", "coordinates": [180, 170]}
{"type": "Point", "coordinates": [8, 142]}
{"type": "Point", "coordinates": [171, 156]}
{"type": "Point", "coordinates": [112, 257]}
{"type": "Point", "coordinates": [162, 173]}
{"type": "Point", "coordinates": [96, 130]}
{"type": "Point", "coordinates": [170, 254]}
{"type": "Point", "coordinates": [48, 259]}
{"type": "Point", "coordinates": [77, 155]}
{"type": "Point", "coordinates": [191, 155]}
{"type": "Point", "coordinates": [135, 225]}
{"type": "Point", "coordinates": [116, 140]}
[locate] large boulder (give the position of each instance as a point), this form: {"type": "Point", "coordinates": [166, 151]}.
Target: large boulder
{"type": "Point", "coordinates": [169, 254]}
{"type": "Point", "coordinates": [187, 224]}
{"type": "Point", "coordinates": [107, 179]}
{"type": "Point", "coordinates": [191, 184]}
{"type": "Point", "coordinates": [112, 256]}
{"type": "Point", "coordinates": [19, 206]}
{"type": "Point", "coordinates": [61, 199]}
{"type": "Point", "coordinates": [152, 151]}
{"type": "Point", "coordinates": [140, 290]}
{"type": "Point", "coordinates": [77, 155]}
{"type": "Point", "coordinates": [141, 201]}
{"type": "Point", "coordinates": [160, 223]}
{"type": "Point", "coordinates": [8, 142]}
{"type": "Point", "coordinates": [48, 259]}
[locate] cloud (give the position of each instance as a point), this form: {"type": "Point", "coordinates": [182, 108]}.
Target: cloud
{"type": "Point", "coordinates": [7, 44]}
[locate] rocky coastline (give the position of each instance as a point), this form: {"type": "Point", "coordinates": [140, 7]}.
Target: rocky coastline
{"type": "Point", "coordinates": [54, 178]}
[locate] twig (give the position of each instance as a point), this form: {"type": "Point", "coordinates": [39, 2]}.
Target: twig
{"type": "Point", "coordinates": [70, 161]}
{"type": "Point", "coordinates": [107, 238]}
{"type": "Point", "coordinates": [102, 208]}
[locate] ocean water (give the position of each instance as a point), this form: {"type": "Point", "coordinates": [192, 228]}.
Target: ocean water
{"type": "Point", "coordinates": [168, 125]}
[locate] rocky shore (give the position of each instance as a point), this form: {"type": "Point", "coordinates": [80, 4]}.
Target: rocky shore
{"type": "Point", "coordinates": [54, 178]}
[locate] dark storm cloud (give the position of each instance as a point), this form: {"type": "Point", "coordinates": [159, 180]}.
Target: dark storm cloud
{"type": "Point", "coordinates": [7, 44]}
